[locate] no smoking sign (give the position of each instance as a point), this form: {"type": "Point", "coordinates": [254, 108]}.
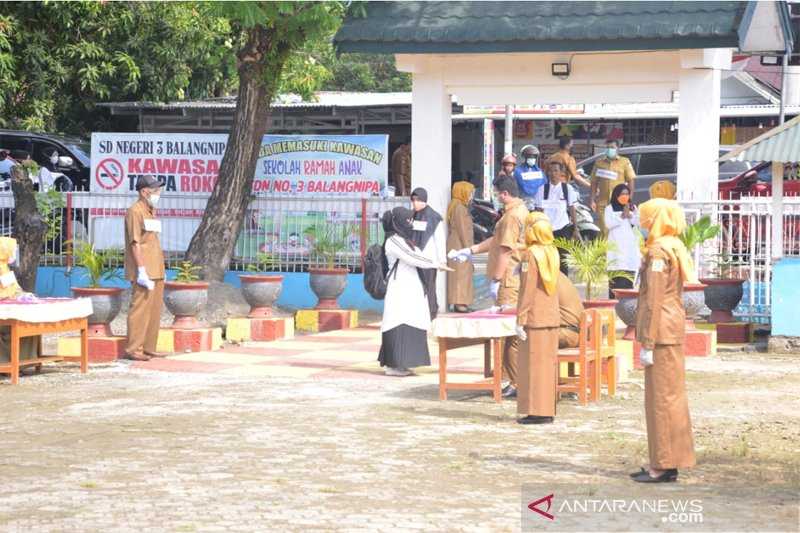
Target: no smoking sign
{"type": "Point", "coordinates": [109, 174]}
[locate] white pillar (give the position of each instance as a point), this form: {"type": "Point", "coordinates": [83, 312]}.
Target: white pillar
{"type": "Point", "coordinates": [777, 210]}
{"type": "Point", "coordinates": [508, 145]}
{"type": "Point", "coordinates": [698, 134]}
{"type": "Point", "coordinates": [431, 148]}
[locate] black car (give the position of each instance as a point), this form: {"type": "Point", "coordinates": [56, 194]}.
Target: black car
{"type": "Point", "coordinates": [73, 151]}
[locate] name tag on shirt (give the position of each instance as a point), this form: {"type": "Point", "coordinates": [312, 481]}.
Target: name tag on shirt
{"type": "Point", "coordinates": [8, 279]}
{"type": "Point", "coordinates": [532, 175]}
{"type": "Point", "coordinates": [523, 266]}
{"type": "Point", "coordinates": [419, 225]}
{"type": "Point", "coordinates": [606, 174]}
{"type": "Point", "coordinates": [151, 224]}
{"type": "Point", "coordinates": [657, 265]}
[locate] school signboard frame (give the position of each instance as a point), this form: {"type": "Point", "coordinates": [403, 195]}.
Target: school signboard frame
{"type": "Point", "coordinates": [352, 166]}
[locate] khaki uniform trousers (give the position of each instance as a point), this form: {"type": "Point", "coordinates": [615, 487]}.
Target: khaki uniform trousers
{"type": "Point", "coordinates": [144, 318]}
{"type": "Point", "coordinates": [509, 296]}
{"type": "Point", "coordinates": [536, 394]}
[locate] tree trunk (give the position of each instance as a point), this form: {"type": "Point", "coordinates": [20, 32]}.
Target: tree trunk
{"type": "Point", "coordinates": [30, 228]}
{"type": "Point", "coordinates": [214, 241]}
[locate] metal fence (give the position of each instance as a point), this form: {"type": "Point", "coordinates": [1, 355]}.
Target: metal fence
{"type": "Point", "coordinates": [281, 235]}
{"type": "Point", "coordinates": [744, 248]}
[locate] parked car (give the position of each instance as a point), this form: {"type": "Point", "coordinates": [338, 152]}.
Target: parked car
{"type": "Point", "coordinates": [757, 181]}
{"type": "Point", "coordinates": [74, 152]}
{"type": "Point", "coordinates": [658, 162]}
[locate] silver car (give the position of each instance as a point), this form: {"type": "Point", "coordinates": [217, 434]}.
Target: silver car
{"type": "Point", "coordinates": [658, 162]}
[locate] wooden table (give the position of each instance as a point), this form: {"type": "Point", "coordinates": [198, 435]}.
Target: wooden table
{"type": "Point", "coordinates": [455, 331]}
{"type": "Point", "coordinates": [21, 328]}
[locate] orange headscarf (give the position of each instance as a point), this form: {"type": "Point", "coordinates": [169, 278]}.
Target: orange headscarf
{"type": "Point", "coordinates": [664, 220]}
{"type": "Point", "coordinates": [8, 248]}
{"type": "Point", "coordinates": [462, 192]}
{"type": "Point", "coordinates": [539, 238]}
{"type": "Point", "coordinates": [663, 189]}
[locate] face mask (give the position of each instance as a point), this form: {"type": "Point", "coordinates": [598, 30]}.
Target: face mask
{"type": "Point", "coordinates": [54, 159]}
{"type": "Point", "coordinates": [498, 205]}
{"type": "Point", "coordinates": [153, 199]}
{"type": "Point", "coordinates": [611, 153]}
{"type": "Point", "coordinates": [624, 199]}
{"type": "Point", "coordinates": [531, 161]}
{"type": "Point", "coordinates": [645, 233]}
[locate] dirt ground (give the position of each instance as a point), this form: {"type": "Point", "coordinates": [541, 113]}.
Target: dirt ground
{"type": "Point", "coordinates": [128, 450]}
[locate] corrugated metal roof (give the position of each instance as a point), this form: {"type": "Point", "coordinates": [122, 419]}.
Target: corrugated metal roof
{"type": "Point", "coordinates": [323, 99]}
{"type": "Point", "coordinates": [475, 27]}
{"type": "Point", "coordinates": [780, 144]}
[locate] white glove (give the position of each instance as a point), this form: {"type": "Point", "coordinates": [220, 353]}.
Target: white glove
{"type": "Point", "coordinates": [494, 288]}
{"type": "Point", "coordinates": [144, 280]}
{"type": "Point", "coordinates": [460, 256]}
{"type": "Point", "coordinates": [521, 333]}
{"type": "Point", "coordinates": [646, 357]}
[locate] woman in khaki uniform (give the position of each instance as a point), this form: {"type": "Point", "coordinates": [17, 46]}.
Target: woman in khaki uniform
{"type": "Point", "coordinates": [538, 321]}
{"type": "Point", "coordinates": [660, 328]}
{"type": "Point", "coordinates": [460, 293]}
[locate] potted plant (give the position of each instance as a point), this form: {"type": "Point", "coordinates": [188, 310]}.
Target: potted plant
{"type": "Point", "coordinates": [99, 266]}
{"type": "Point", "coordinates": [328, 283]}
{"type": "Point", "coordinates": [588, 259]}
{"type": "Point", "coordinates": [185, 296]}
{"type": "Point", "coordinates": [627, 302]}
{"type": "Point", "coordinates": [261, 290]}
{"type": "Point", "coordinates": [724, 292]}
{"type": "Point", "coordinates": [694, 299]}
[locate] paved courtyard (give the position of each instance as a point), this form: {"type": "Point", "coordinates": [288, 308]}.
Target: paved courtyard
{"type": "Point", "coordinates": [307, 435]}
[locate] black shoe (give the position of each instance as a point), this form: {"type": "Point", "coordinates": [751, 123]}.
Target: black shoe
{"type": "Point", "coordinates": [461, 309]}
{"type": "Point", "coordinates": [668, 476]}
{"type": "Point", "coordinates": [531, 419]}
{"type": "Point", "coordinates": [510, 391]}
{"type": "Point", "coordinates": [641, 471]}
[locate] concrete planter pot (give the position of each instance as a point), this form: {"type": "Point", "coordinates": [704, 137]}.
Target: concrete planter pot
{"type": "Point", "coordinates": [261, 292]}
{"type": "Point", "coordinates": [185, 299]}
{"type": "Point", "coordinates": [722, 297]}
{"type": "Point", "coordinates": [106, 305]}
{"type": "Point", "coordinates": [599, 304]}
{"type": "Point", "coordinates": [694, 300]}
{"type": "Point", "coordinates": [328, 284]}
{"type": "Point", "coordinates": [628, 301]}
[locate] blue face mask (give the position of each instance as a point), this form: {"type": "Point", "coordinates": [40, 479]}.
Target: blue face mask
{"type": "Point", "coordinates": [645, 233]}
{"type": "Point", "coordinates": [611, 153]}
{"type": "Point", "coordinates": [498, 205]}
{"type": "Point", "coordinates": [531, 161]}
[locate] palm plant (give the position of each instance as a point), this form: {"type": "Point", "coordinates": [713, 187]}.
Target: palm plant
{"type": "Point", "coordinates": [588, 259]}
{"type": "Point", "coordinates": [187, 272]}
{"type": "Point", "coordinates": [100, 265]}
{"type": "Point", "coordinates": [328, 242]}
{"type": "Point", "coordinates": [699, 232]}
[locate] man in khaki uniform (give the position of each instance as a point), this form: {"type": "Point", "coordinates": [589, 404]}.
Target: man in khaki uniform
{"type": "Point", "coordinates": [144, 268]}
{"type": "Point", "coordinates": [564, 156]}
{"type": "Point", "coordinates": [401, 169]}
{"type": "Point", "coordinates": [608, 172]}
{"type": "Point", "coordinates": [504, 256]}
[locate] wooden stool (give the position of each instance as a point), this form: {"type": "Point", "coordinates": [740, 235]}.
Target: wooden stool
{"type": "Point", "coordinates": [587, 355]}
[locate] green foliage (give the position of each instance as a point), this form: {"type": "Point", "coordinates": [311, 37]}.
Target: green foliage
{"type": "Point", "coordinates": [328, 241]}
{"type": "Point", "coordinates": [187, 272]}
{"type": "Point", "coordinates": [365, 73]}
{"type": "Point", "coordinates": [50, 205]}
{"type": "Point", "coordinates": [264, 263]}
{"type": "Point", "coordinates": [589, 261]}
{"type": "Point", "coordinates": [725, 265]}
{"type": "Point", "coordinates": [698, 233]}
{"type": "Point", "coordinates": [58, 59]}
{"type": "Point", "coordinates": [100, 265]}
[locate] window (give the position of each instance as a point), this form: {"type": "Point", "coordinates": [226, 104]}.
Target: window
{"type": "Point", "coordinates": [658, 163]}
{"type": "Point", "coordinates": [42, 150]}
{"type": "Point", "coordinates": [13, 143]}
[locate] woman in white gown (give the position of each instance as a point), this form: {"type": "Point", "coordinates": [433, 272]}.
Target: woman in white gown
{"type": "Point", "coordinates": [406, 320]}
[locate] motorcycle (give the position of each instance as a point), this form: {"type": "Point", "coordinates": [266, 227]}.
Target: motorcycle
{"type": "Point", "coordinates": [485, 216]}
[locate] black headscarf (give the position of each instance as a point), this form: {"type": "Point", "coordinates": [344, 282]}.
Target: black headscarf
{"type": "Point", "coordinates": [619, 189]}
{"type": "Point", "coordinates": [396, 222]}
{"type": "Point", "coordinates": [428, 215]}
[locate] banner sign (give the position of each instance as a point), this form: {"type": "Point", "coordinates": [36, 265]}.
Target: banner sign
{"type": "Point", "coordinates": [288, 165]}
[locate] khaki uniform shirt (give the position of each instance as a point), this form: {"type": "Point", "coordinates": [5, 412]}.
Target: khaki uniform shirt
{"type": "Point", "coordinates": [608, 173]}
{"type": "Point", "coordinates": [536, 308]}
{"type": "Point", "coordinates": [564, 157]}
{"type": "Point", "coordinates": [569, 303]}
{"type": "Point", "coordinates": [509, 232]}
{"type": "Point", "coordinates": [148, 240]}
{"type": "Point", "coordinates": [401, 170]}
{"type": "Point", "coordinates": [660, 316]}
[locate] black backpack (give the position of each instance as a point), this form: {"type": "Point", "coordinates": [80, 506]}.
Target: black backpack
{"type": "Point", "coordinates": [376, 272]}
